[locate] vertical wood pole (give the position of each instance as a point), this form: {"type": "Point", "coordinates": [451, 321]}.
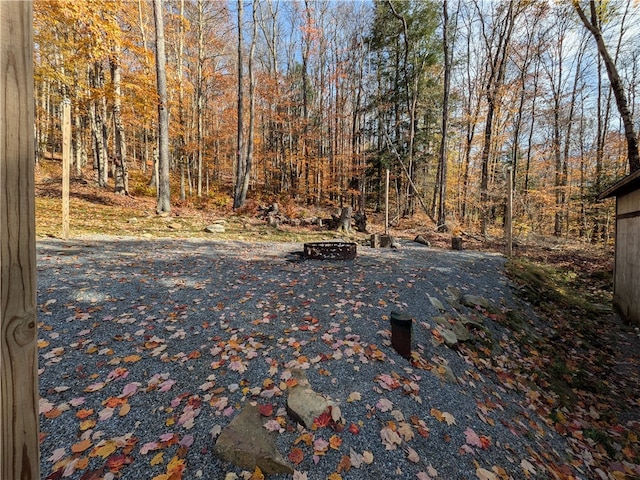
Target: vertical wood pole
{"type": "Point", "coordinates": [386, 204]}
{"type": "Point", "coordinates": [19, 455]}
{"type": "Point", "coordinates": [509, 219]}
{"type": "Point", "coordinates": [66, 165]}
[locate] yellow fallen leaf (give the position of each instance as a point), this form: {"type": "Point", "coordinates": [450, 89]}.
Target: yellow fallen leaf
{"type": "Point", "coordinates": [157, 459]}
{"type": "Point", "coordinates": [87, 424]}
{"type": "Point", "coordinates": [104, 450]}
{"type": "Point", "coordinates": [257, 474]}
{"type": "Point", "coordinates": [124, 409]}
{"type": "Point", "coordinates": [131, 358]}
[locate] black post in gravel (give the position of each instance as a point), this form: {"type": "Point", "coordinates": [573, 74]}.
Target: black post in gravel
{"type": "Point", "coordinates": [401, 333]}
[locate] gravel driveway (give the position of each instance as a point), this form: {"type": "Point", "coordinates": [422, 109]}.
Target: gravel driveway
{"type": "Point", "coordinates": [148, 348]}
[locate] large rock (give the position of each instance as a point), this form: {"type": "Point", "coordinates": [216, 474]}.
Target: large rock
{"type": "Point", "coordinates": [246, 443]}
{"type": "Point", "coordinates": [303, 404]}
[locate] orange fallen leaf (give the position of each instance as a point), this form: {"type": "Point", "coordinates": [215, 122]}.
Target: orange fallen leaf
{"type": "Point", "coordinates": [81, 446]}
{"type": "Point", "coordinates": [344, 465]}
{"type": "Point", "coordinates": [53, 413]}
{"type": "Point", "coordinates": [157, 459]}
{"type": "Point", "coordinates": [335, 442]}
{"type": "Point", "coordinates": [296, 455]}
{"type": "Point", "coordinates": [84, 413]}
{"type": "Point", "coordinates": [82, 463]}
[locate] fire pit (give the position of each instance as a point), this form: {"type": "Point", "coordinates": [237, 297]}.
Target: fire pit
{"type": "Point", "coordinates": [330, 250]}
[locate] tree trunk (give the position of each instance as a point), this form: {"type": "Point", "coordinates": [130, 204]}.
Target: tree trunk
{"type": "Point", "coordinates": [252, 103]}
{"type": "Point", "coordinates": [240, 158]}
{"type": "Point", "coordinates": [164, 189]}
{"type": "Point", "coordinates": [616, 84]}
{"type": "Point", "coordinates": [442, 166]}
{"type": "Point", "coordinates": [200, 95]}
{"type": "Point", "coordinates": [121, 170]}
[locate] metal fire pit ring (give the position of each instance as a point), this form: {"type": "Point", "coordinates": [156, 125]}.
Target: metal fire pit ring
{"type": "Point", "coordinates": [330, 250]}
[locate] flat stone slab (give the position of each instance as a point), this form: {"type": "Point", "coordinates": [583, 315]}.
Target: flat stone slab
{"type": "Point", "coordinates": [246, 443]}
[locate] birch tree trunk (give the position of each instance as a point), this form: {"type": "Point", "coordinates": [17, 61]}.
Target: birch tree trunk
{"type": "Point", "coordinates": [164, 189]}
{"type": "Point", "coordinates": [120, 161]}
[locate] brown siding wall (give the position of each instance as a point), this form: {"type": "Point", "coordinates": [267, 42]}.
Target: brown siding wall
{"type": "Point", "coordinates": [627, 275]}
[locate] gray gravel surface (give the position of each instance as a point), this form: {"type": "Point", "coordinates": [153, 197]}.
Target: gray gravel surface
{"type": "Point", "coordinates": [189, 331]}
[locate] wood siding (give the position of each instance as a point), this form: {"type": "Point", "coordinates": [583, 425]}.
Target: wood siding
{"type": "Point", "coordinates": [627, 271]}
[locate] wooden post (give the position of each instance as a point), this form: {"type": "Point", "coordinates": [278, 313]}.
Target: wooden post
{"type": "Point", "coordinates": [509, 219]}
{"type": "Point", "coordinates": [19, 454]}
{"type": "Point", "coordinates": [386, 204]}
{"type": "Point", "coordinates": [66, 165]}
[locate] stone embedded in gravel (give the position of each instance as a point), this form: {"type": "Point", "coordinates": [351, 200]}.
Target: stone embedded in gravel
{"type": "Point", "coordinates": [444, 372]}
{"type": "Point", "coordinates": [473, 301]}
{"type": "Point", "coordinates": [450, 338]}
{"type": "Point", "coordinates": [464, 320]}
{"type": "Point", "coordinates": [461, 332]}
{"type": "Point", "coordinates": [246, 443]}
{"type": "Point", "coordinates": [215, 228]}
{"type": "Point", "coordinates": [303, 404]}
{"type": "Point", "coordinates": [442, 321]}
{"type": "Point", "coordinates": [454, 293]}
{"type": "Point", "coordinates": [436, 303]}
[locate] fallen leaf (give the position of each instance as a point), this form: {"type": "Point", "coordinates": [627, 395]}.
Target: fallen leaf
{"type": "Point", "coordinates": [484, 474]}
{"type": "Point", "coordinates": [81, 446]}
{"type": "Point", "coordinates": [296, 455]}
{"type": "Point", "coordinates": [257, 474]}
{"type": "Point", "coordinates": [124, 409]}
{"type": "Point", "coordinates": [412, 455]}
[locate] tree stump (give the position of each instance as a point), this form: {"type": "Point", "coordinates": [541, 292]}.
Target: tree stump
{"type": "Point", "coordinates": [375, 240]}
{"type": "Point", "coordinates": [456, 243]}
{"type": "Point", "coordinates": [344, 224]}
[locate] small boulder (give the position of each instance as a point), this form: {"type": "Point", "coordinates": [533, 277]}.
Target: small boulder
{"type": "Point", "coordinates": [420, 239]}
{"type": "Point", "coordinates": [473, 301]}
{"type": "Point", "coordinates": [246, 443]}
{"type": "Point", "coordinates": [303, 404]}
{"type": "Point", "coordinates": [450, 338]}
{"type": "Point", "coordinates": [215, 228]}
{"type": "Point", "coordinates": [436, 303]}
{"type": "Point", "coordinates": [461, 332]}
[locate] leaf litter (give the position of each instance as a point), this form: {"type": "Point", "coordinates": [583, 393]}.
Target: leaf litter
{"type": "Point", "coordinates": [148, 349]}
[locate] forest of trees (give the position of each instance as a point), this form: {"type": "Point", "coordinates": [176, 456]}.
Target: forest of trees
{"type": "Point", "coordinates": [313, 101]}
